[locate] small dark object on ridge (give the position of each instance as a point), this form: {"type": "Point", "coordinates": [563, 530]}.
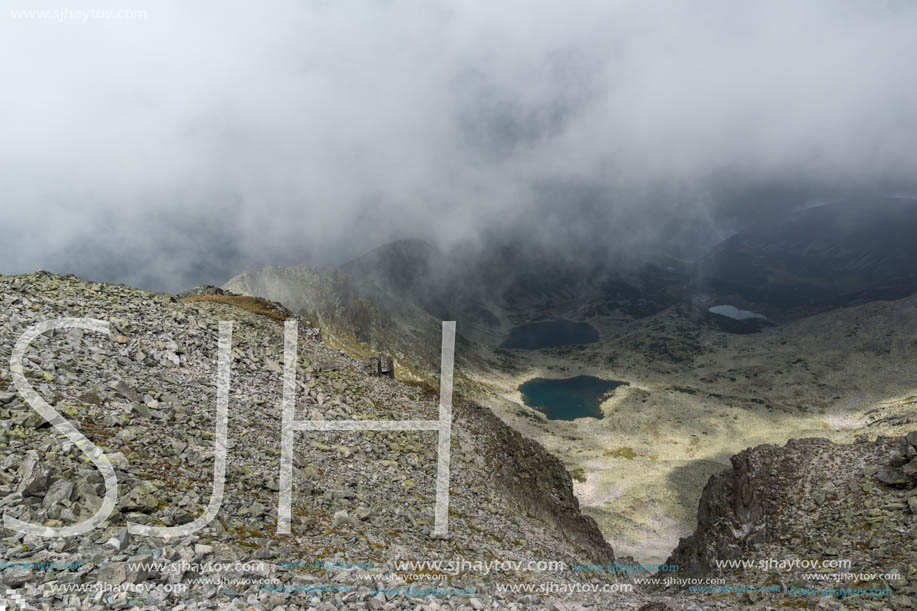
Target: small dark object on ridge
{"type": "Point", "coordinates": [381, 365]}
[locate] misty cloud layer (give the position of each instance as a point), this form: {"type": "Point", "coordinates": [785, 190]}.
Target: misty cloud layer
{"type": "Point", "coordinates": [198, 142]}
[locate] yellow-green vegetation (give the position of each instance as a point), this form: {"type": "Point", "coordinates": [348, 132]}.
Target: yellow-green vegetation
{"type": "Point", "coordinates": [627, 453]}
{"type": "Point", "coordinates": [404, 372]}
{"type": "Point", "coordinates": [249, 304]}
{"type": "Point", "coordinates": [579, 474]}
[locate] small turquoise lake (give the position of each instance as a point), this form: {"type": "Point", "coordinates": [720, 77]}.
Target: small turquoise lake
{"type": "Point", "coordinates": [568, 398]}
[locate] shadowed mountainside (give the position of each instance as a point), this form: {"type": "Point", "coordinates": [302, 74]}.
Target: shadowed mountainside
{"type": "Point", "coordinates": [821, 257]}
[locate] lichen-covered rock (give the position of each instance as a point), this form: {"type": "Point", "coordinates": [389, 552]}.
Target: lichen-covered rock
{"type": "Point", "coordinates": [33, 478]}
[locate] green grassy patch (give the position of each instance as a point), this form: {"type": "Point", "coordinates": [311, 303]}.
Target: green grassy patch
{"type": "Point", "coordinates": [627, 453]}
{"type": "Point", "coordinates": [249, 304]}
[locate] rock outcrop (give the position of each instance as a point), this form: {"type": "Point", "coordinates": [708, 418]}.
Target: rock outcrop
{"type": "Point", "coordinates": [535, 481]}
{"type": "Point", "coordinates": [380, 365]}
{"type": "Point", "coordinates": [816, 501]}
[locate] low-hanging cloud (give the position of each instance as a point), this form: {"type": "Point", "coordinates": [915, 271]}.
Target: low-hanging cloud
{"type": "Point", "coordinates": [188, 145]}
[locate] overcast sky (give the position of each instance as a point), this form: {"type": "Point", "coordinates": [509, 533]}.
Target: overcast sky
{"type": "Point", "coordinates": [200, 141]}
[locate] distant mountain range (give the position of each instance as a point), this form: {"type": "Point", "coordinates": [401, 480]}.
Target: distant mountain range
{"type": "Point", "coordinates": [821, 256]}
{"type": "Point", "coordinates": [810, 259]}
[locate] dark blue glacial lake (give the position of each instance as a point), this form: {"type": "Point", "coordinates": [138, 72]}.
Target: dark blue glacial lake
{"type": "Point", "coordinates": [550, 334]}
{"type": "Point", "coordinates": [568, 399]}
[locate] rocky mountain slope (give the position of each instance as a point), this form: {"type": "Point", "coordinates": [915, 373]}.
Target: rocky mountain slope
{"type": "Point", "coordinates": [817, 502]}
{"type": "Point", "coordinates": [145, 395]}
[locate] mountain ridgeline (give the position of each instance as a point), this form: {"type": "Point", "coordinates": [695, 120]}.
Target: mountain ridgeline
{"type": "Point", "coordinates": [394, 298]}
{"type": "Point", "coordinates": [808, 260]}
{"type": "Point", "coordinates": [822, 256]}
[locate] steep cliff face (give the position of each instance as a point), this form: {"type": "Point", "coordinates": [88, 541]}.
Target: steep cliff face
{"type": "Point", "coordinates": [535, 481]}
{"type": "Point", "coordinates": [817, 501]}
